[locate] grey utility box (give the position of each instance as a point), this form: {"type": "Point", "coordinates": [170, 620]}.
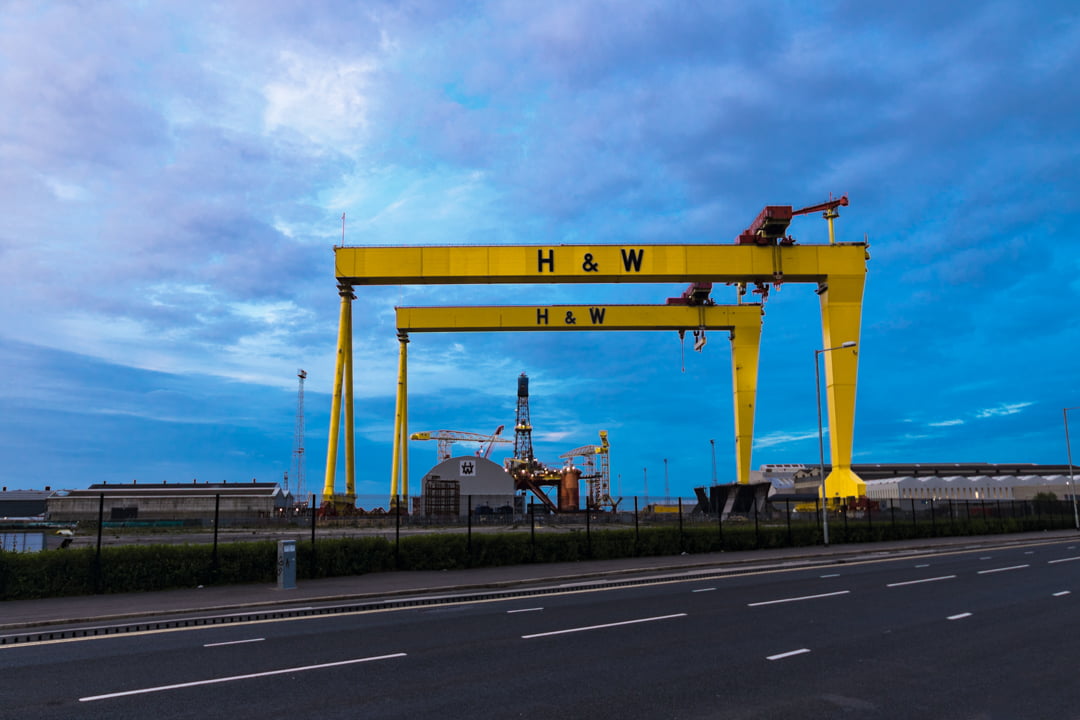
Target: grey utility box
{"type": "Point", "coordinates": [286, 564]}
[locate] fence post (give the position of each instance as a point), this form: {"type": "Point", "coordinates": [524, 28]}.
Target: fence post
{"type": "Point", "coordinates": [217, 517]}
{"type": "Point", "coordinates": [914, 521]}
{"type": "Point", "coordinates": [1001, 520]}
{"type": "Point", "coordinates": [637, 531]}
{"type": "Point", "coordinates": [397, 531]}
{"type": "Point", "coordinates": [787, 512]}
{"type": "Point", "coordinates": [468, 543]}
{"type": "Point", "coordinates": [933, 521]}
{"type": "Point", "coordinates": [757, 536]}
{"type": "Point", "coordinates": [97, 558]}
{"type": "Point", "coordinates": [952, 521]}
{"type": "Point", "coordinates": [720, 524]}
{"type": "Point", "coordinates": [588, 530]}
{"type": "Point", "coordinates": [892, 515]}
{"type": "Point", "coordinates": [532, 529]}
{"type": "Point", "coordinates": [682, 537]}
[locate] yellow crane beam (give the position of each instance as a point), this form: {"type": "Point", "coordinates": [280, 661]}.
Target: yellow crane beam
{"type": "Point", "coordinates": [480, 264]}
{"type": "Point", "coordinates": [523, 318]}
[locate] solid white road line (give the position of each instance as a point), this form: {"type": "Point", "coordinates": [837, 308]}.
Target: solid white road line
{"type": "Point", "coordinates": [961, 616]}
{"type": "Point", "coordinates": [1063, 593]}
{"type": "Point", "coordinates": [511, 612]}
{"type": "Point", "coordinates": [234, 642]}
{"type": "Point", "coordinates": [781, 656]}
{"type": "Point", "coordinates": [703, 590]}
{"type": "Point", "coordinates": [1004, 569]}
{"type": "Point", "coordinates": [605, 625]}
{"type": "Point", "coordinates": [796, 599]}
{"type": "Point", "coordinates": [1051, 562]}
{"type": "Point", "coordinates": [924, 580]}
{"type": "Point", "coordinates": [232, 678]}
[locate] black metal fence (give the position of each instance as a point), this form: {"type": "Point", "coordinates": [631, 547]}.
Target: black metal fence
{"type": "Point", "coordinates": [780, 520]}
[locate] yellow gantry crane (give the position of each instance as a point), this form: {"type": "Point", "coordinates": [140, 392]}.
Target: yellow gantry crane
{"type": "Point", "coordinates": [743, 322]}
{"type": "Point", "coordinates": [762, 256]}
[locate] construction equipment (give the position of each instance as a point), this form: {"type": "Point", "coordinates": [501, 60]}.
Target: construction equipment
{"type": "Point", "coordinates": [595, 471]}
{"type": "Point", "coordinates": [447, 438]}
{"type": "Point", "coordinates": [485, 451]}
{"type": "Point", "coordinates": [771, 224]}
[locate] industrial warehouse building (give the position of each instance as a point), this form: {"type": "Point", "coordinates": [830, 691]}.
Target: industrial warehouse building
{"type": "Point", "coordinates": [936, 481]}
{"type": "Point", "coordinates": [971, 487]}
{"type": "Point", "coordinates": [23, 503]}
{"type": "Point", "coordinates": [453, 484]}
{"type": "Point", "coordinates": [171, 501]}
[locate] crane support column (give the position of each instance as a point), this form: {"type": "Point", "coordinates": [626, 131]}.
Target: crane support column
{"type": "Point", "coordinates": [350, 426]}
{"type": "Point", "coordinates": [342, 378]}
{"type": "Point", "coordinates": [400, 434]}
{"type": "Point", "coordinates": [405, 428]}
{"type": "Point", "coordinates": [841, 315]}
{"type": "Point", "coordinates": [745, 344]}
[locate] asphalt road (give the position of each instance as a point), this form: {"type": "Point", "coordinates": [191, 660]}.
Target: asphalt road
{"type": "Point", "coordinates": [986, 633]}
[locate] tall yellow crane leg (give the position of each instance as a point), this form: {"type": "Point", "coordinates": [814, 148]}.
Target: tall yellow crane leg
{"type": "Point", "coordinates": [743, 321]}
{"type": "Point", "coordinates": [841, 315]}
{"type": "Point", "coordinates": [342, 379]}
{"type": "Point", "coordinates": [400, 421]}
{"type": "Point", "coordinates": [745, 345]}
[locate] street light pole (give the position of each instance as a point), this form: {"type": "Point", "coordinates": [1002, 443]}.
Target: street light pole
{"type": "Point", "coordinates": [1072, 480]}
{"type": "Point", "coordinates": [713, 444]}
{"type": "Point", "coordinates": [821, 438]}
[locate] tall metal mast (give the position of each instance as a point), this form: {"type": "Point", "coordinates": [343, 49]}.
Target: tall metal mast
{"type": "Point", "coordinates": [298, 449]}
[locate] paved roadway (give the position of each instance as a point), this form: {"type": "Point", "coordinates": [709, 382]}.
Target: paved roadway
{"type": "Point", "coordinates": [962, 632]}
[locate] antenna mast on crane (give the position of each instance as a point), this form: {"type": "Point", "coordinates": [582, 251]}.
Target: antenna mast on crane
{"type": "Point", "coordinates": [298, 450]}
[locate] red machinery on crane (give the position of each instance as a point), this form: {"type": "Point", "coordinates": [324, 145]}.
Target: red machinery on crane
{"type": "Point", "coordinates": [769, 228]}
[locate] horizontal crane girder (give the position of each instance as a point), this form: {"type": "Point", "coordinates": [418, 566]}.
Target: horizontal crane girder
{"type": "Point", "coordinates": [486, 264]}
{"type": "Point", "coordinates": [577, 317]}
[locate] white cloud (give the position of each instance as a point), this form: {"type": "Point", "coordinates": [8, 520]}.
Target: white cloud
{"type": "Point", "coordinates": [322, 99]}
{"type": "Point", "coordinates": [1003, 409]}
{"type": "Point", "coordinates": [782, 438]}
{"type": "Point", "coordinates": [946, 423]}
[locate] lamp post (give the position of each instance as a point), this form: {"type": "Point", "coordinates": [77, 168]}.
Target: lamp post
{"type": "Point", "coordinates": [712, 443]}
{"type": "Point", "coordinates": [1072, 480]}
{"type": "Point", "coordinates": [821, 438]}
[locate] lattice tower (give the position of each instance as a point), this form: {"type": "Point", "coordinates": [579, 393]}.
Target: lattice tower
{"type": "Point", "coordinates": [523, 448]}
{"type": "Point", "coordinates": [298, 447]}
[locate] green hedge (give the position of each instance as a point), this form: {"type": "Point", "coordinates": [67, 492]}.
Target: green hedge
{"type": "Point", "coordinates": [136, 568]}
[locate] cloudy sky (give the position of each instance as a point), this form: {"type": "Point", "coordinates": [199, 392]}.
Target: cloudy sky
{"type": "Point", "coordinates": [173, 175]}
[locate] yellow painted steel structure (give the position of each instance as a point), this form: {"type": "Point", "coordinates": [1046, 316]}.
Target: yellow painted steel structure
{"type": "Point", "coordinates": [742, 321]}
{"type": "Point", "coordinates": [838, 269]}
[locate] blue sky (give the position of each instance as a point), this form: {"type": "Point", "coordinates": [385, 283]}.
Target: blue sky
{"type": "Point", "coordinates": [174, 175]}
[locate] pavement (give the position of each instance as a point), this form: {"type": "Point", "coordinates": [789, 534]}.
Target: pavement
{"type": "Point", "coordinates": [22, 614]}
